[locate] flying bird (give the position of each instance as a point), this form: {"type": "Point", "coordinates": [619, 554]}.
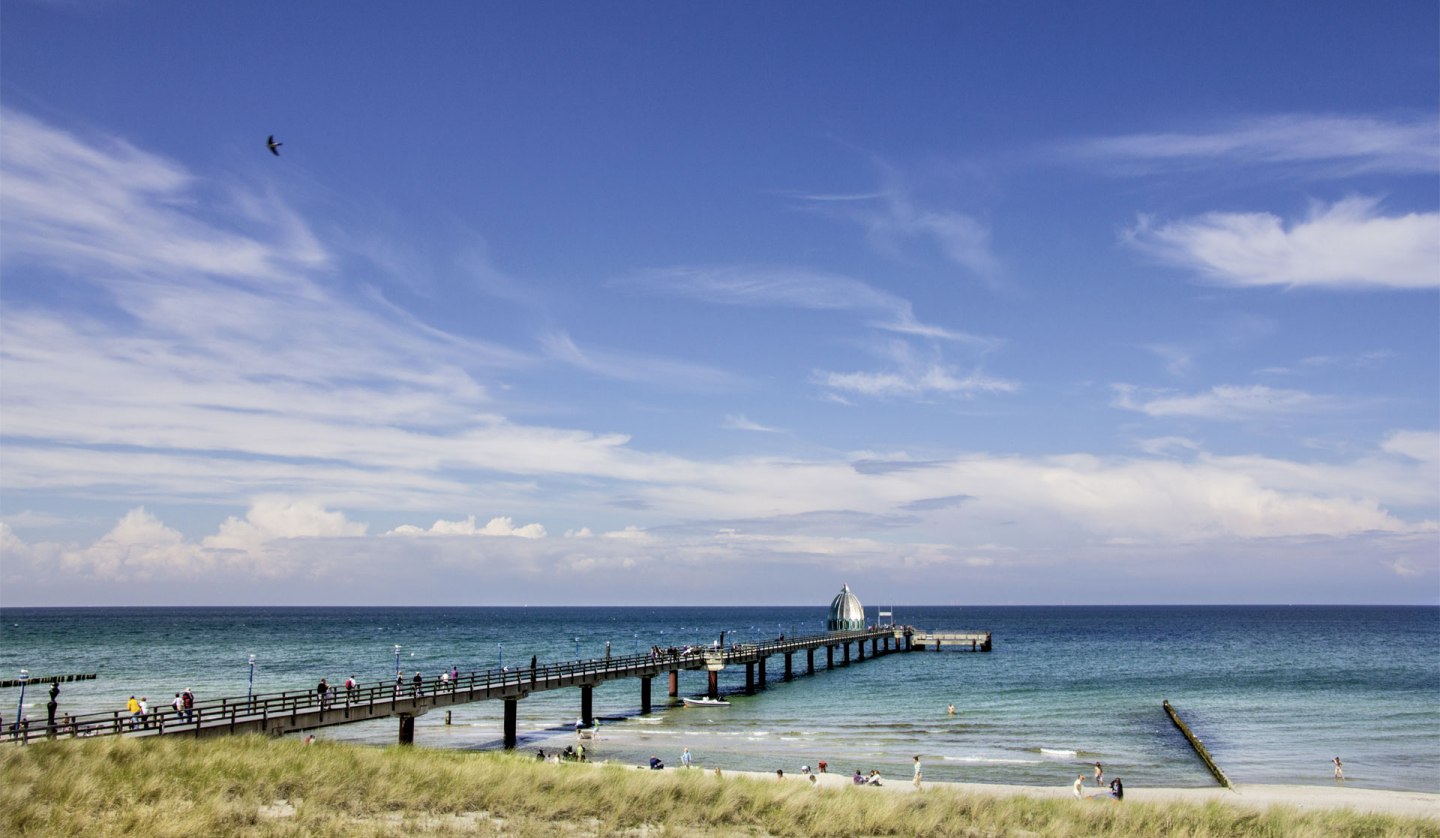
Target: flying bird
{"type": "Point", "coordinates": [273, 146]}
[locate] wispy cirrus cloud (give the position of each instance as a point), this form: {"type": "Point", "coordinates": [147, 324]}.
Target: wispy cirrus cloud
{"type": "Point", "coordinates": [1220, 403]}
{"type": "Point", "coordinates": [779, 286]}
{"type": "Point", "coordinates": [911, 372]}
{"type": "Point", "coordinates": [1348, 244]}
{"type": "Point", "coordinates": [106, 205]}
{"type": "Point", "coordinates": [894, 222]}
{"type": "Point", "coordinates": [740, 422]}
{"type": "Point", "coordinates": [1326, 145]}
{"type": "Point", "coordinates": [630, 366]}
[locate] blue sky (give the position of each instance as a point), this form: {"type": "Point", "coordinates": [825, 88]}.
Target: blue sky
{"type": "Point", "coordinates": [574, 303]}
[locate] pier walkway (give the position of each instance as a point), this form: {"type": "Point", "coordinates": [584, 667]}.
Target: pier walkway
{"type": "Point", "coordinates": [298, 710]}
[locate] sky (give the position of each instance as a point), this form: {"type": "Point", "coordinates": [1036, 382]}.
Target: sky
{"type": "Point", "coordinates": [669, 303]}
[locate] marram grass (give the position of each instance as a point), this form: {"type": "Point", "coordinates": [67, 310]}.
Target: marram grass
{"type": "Point", "coordinates": [258, 786]}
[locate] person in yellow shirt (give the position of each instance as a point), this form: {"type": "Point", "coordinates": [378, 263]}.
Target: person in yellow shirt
{"type": "Point", "coordinates": [134, 707]}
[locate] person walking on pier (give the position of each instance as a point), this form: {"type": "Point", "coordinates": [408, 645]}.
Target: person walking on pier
{"type": "Point", "coordinates": [322, 691]}
{"type": "Point", "coordinates": [187, 698]}
{"type": "Point", "coordinates": [133, 705]}
{"type": "Point", "coordinates": [419, 683]}
{"type": "Point", "coordinates": [179, 705]}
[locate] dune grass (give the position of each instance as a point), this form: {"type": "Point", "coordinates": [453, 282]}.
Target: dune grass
{"type": "Point", "coordinates": [253, 785]}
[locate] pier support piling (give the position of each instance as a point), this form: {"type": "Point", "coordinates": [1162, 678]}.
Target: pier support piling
{"type": "Point", "coordinates": [714, 691]}
{"type": "Point", "coordinates": [587, 713]}
{"type": "Point", "coordinates": [809, 661]}
{"type": "Point", "coordinates": [674, 683]}
{"type": "Point", "coordinates": [644, 695]}
{"type": "Point", "coordinates": [749, 679]}
{"type": "Point", "coordinates": [511, 705]}
{"type": "Point", "coordinates": [789, 672]}
{"type": "Point", "coordinates": [761, 674]}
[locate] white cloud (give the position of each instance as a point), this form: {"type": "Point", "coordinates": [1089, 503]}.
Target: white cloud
{"type": "Point", "coordinates": [1167, 445]}
{"type": "Point", "coordinates": [1338, 146]}
{"type": "Point", "coordinates": [272, 518]}
{"type": "Point", "coordinates": [139, 546]}
{"type": "Point", "coordinates": [1421, 446]}
{"type": "Point", "coordinates": [1220, 403]}
{"type": "Point", "coordinates": [500, 527]}
{"type": "Point", "coordinates": [914, 382]}
{"type": "Point", "coordinates": [630, 533]}
{"type": "Point", "coordinates": [1345, 245]}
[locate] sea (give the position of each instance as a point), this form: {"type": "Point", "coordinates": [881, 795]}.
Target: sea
{"type": "Point", "coordinates": [1275, 692]}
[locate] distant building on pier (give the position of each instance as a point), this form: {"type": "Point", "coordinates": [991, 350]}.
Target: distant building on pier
{"type": "Point", "coordinates": [846, 612]}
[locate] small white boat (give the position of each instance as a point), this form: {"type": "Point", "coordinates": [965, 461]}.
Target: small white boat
{"type": "Point", "coordinates": [705, 702]}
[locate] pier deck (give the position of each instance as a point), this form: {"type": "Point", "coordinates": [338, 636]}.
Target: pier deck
{"type": "Point", "coordinates": [287, 712]}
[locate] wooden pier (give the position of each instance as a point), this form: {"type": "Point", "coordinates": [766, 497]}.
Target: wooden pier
{"type": "Point", "coordinates": [974, 641]}
{"type": "Point", "coordinates": [299, 710]}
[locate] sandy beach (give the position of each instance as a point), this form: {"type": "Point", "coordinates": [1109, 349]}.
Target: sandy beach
{"type": "Point", "coordinates": [1305, 798]}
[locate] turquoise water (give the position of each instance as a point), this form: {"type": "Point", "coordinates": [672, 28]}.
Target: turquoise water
{"type": "Point", "coordinates": [1275, 692]}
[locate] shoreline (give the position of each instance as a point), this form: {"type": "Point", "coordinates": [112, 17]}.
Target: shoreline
{"type": "Point", "coordinates": [1261, 796]}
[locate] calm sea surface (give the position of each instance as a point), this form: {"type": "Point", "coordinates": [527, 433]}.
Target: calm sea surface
{"type": "Point", "coordinates": [1275, 692]}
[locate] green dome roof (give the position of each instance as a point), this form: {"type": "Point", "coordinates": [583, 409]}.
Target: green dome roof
{"type": "Point", "coordinates": [846, 612]}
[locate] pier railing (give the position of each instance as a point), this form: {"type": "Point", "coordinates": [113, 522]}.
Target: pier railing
{"type": "Point", "coordinates": [384, 698]}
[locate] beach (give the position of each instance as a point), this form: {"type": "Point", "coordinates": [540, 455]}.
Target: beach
{"type": "Point", "coordinates": [1259, 797]}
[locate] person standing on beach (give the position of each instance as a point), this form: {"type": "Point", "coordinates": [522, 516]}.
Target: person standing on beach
{"type": "Point", "coordinates": [1099, 775]}
{"type": "Point", "coordinates": [916, 779]}
{"type": "Point", "coordinates": [685, 758]}
{"type": "Point", "coordinates": [1339, 769]}
{"type": "Point", "coordinates": [1079, 786]}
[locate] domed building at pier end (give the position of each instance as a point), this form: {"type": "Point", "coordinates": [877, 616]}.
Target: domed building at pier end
{"type": "Point", "coordinates": [846, 612]}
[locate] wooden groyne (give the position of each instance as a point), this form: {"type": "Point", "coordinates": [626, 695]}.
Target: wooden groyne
{"type": "Point", "coordinates": [1197, 745]}
{"type": "Point", "coordinates": [46, 679]}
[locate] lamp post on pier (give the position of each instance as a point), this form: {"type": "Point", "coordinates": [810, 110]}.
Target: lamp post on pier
{"type": "Point", "coordinates": [577, 648]}
{"type": "Point", "coordinates": [250, 691]}
{"type": "Point", "coordinates": [635, 648]}
{"type": "Point", "coordinates": [397, 660]}
{"type": "Point", "coordinates": [501, 656]}
{"type": "Point", "coordinates": [20, 710]}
